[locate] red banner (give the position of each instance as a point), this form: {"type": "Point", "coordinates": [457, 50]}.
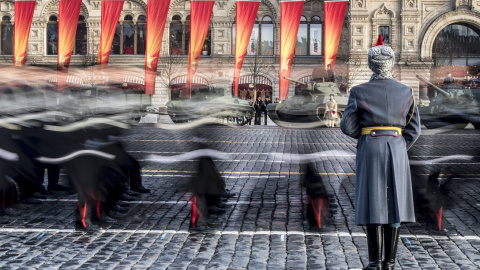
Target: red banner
{"type": "Point", "coordinates": [23, 20]}
{"type": "Point", "coordinates": [199, 22]}
{"type": "Point", "coordinates": [246, 15]}
{"type": "Point", "coordinates": [291, 12]}
{"type": "Point", "coordinates": [157, 11]}
{"type": "Point", "coordinates": [68, 13]}
{"type": "Point", "coordinates": [111, 10]}
{"type": "Point", "coordinates": [334, 17]}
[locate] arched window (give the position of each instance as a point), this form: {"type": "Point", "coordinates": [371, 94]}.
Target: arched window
{"type": "Point", "coordinates": [457, 44]}
{"type": "Point", "coordinates": [309, 37]}
{"type": "Point", "coordinates": [262, 31]}
{"type": "Point", "coordinates": [301, 47]}
{"type": "Point", "coordinates": [141, 34]}
{"type": "Point", "coordinates": [179, 35]}
{"type": "Point", "coordinates": [130, 38]}
{"type": "Point", "coordinates": [7, 36]}
{"type": "Point", "coordinates": [52, 35]}
{"type": "Point", "coordinates": [128, 35]}
{"type": "Point", "coordinates": [266, 36]}
{"type": "Point", "coordinates": [80, 47]}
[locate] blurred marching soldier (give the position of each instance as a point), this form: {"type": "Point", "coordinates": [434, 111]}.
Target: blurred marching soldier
{"type": "Point", "coordinates": [258, 110]}
{"type": "Point", "coordinates": [318, 200]}
{"type": "Point", "coordinates": [267, 101]}
{"type": "Point", "coordinates": [331, 109]}
{"type": "Point", "coordinates": [383, 116]}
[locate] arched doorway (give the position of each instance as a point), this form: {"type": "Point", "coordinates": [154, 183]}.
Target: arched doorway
{"type": "Point", "coordinates": [133, 83]}
{"type": "Point", "coordinates": [72, 82]}
{"type": "Point", "coordinates": [457, 45]}
{"type": "Point", "coordinates": [247, 84]}
{"type": "Point", "coordinates": [179, 84]}
{"type": "Point", "coordinates": [456, 50]}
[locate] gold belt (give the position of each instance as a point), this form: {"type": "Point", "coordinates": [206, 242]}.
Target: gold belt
{"type": "Point", "coordinates": [368, 130]}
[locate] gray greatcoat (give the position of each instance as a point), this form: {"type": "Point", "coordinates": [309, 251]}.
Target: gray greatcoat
{"type": "Point", "coordinates": [383, 189]}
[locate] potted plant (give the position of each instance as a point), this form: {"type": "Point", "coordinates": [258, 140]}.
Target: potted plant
{"type": "Point", "coordinates": [206, 44]}
{"type": "Point", "coordinates": [205, 49]}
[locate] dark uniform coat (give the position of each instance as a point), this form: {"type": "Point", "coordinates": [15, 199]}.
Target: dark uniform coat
{"type": "Point", "coordinates": [383, 189]}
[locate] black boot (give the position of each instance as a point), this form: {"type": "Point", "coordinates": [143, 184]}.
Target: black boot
{"type": "Point", "coordinates": [391, 241]}
{"type": "Point", "coordinates": [374, 240]}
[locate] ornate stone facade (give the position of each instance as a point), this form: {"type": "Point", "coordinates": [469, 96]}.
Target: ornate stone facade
{"type": "Point", "coordinates": [411, 25]}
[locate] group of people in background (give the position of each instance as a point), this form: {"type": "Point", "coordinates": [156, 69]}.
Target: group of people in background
{"type": "Point", "coordinates": [469, 81]}
{"type": "Point", "coordinates": [260, 108]}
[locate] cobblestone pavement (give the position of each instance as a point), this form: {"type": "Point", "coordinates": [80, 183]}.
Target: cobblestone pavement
{"type": "Point", "coordinates": [264, 226]}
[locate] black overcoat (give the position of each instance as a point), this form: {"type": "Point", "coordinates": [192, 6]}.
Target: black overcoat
{"type": "Point", "coordinates": [383, 187]}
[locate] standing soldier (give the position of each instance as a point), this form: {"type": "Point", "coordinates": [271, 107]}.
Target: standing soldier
{"type": "Point", "coordinates": [250, 103]}
{"type": "Point", "coordinates": [258, 110]}
{"type": "Point", "coordinates": [331, 111]}
{"type": "Point", "coordinates": [265, 104]}
{"type": "Point", "coordinates": [383, 116]}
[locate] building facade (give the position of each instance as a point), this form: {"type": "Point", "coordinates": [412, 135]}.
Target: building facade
{"type": "Point", "coordinates": [423, 33]}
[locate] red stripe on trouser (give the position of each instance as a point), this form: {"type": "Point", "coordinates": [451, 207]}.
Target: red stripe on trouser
{"type": "Point", "coordinates": [83, 213]}
{"type": "Point", "coordinates": [318, 214]}
{"type": "Point", "coordinates": [439, 215]}
{"type": "Point", "coordinates": [194, 210]}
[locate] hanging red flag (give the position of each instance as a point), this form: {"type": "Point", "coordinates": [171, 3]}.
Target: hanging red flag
{"type": "Point", "coordinates": [23, 20]}
{"type": "Point", "coordinates": [111, 10]}
{"type": "Point", "coordinates": [246, 15]}
{"type": "Point", "coordinates": [379, 40]}
{"type": "Point", "coordinates": [157, 11]}
{"type": "Point", "coordinates": [199, 22]}
{"type": "Point", "coordinates": [334, 17]}
{"type": "Point", "coordinates": [291, 13]}
{"type": "Point", "coordinates": [68, 13]}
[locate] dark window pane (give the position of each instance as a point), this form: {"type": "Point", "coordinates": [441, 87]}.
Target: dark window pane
{"type": "Point", "coordinates": [385, 32]}
{"type": "Point", "coordinates": [233, 38]}
{"type": "Point", "coordinates": [267, 39]}
{"type": "Point", "coordinates": [52, 37]}
{"type": "Point", "coordinates": [176, 38]}
{"type": "Point", "coordinates": [187, 38]}
{"type": "Point", "coordinates": [141, 38]}
{"type": "Point", "coordinates": [301, 45]}
{"type": "Point", "coordinates": [7, 39]}
{"type": "Point", "coordinates": [253, 44]}
{"type": "Point", "coordinates": [116, 40]}
{"type": "Point", "coordinates": [128, 37]}
{"type": "Point", "coordinates": [81, 39]}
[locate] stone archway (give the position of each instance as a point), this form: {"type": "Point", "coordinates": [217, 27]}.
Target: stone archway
{"type": "Point", "coordinates": [459, 16]}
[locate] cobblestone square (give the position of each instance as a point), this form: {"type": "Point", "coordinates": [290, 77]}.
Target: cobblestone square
{"type": "Point", "coordinates": [264, 226]}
